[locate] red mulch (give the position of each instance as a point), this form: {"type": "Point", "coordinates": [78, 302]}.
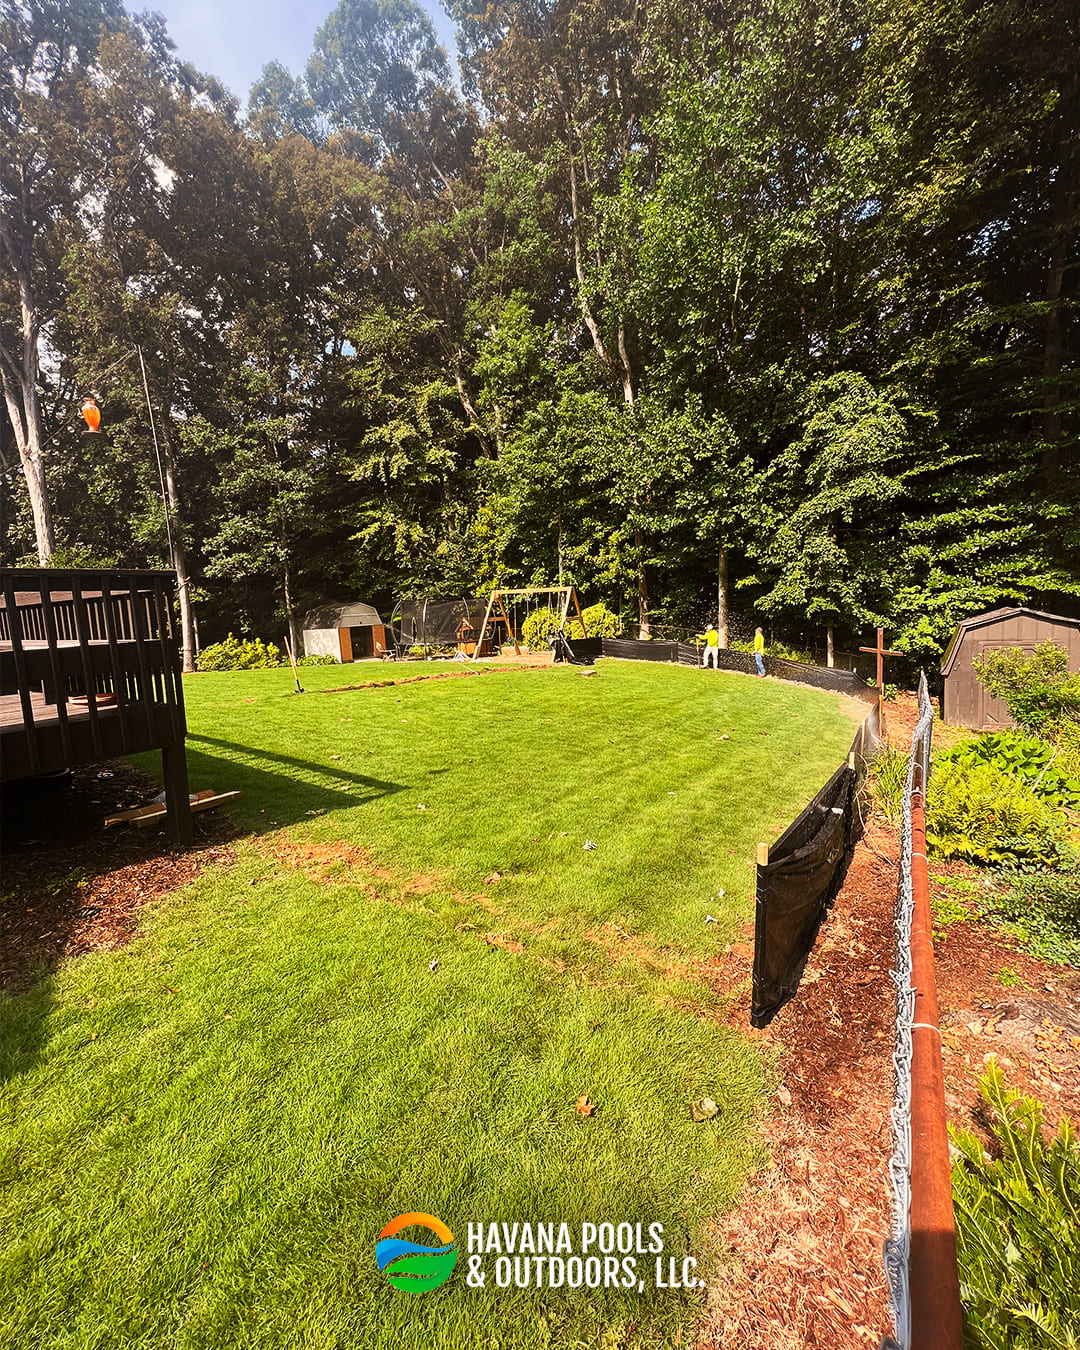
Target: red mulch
{"type": "Point", "coordinates": [71, 887]}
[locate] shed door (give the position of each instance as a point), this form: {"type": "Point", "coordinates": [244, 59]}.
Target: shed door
{"type": "Point", "coordinates": [993, 714]}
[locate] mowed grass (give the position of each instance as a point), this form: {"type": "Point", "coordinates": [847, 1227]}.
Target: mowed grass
{"type": "Point", "coordinates": [203, 1134]}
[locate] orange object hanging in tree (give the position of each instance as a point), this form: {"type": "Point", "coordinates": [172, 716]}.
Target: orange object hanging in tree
{"type": "Point", "coordinates": [92, 413]}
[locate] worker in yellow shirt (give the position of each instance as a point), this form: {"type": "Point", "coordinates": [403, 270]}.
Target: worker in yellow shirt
{"type": "Point", "coordinates": [712, 648]}
{"type": "Point", "coordinates": [759, 651]}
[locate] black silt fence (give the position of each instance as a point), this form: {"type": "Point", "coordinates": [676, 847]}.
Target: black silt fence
{"type": "Point", "coordinates": [686, 654]}
{"type": "Point", "coordinates": [802, 876]}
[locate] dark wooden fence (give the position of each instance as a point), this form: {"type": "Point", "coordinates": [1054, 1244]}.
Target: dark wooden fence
{"type": "Point", "coordinates": [89, 670]}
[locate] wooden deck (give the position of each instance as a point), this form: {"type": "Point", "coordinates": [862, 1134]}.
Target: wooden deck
{"type": "Point", "coordinates": [90, 670]}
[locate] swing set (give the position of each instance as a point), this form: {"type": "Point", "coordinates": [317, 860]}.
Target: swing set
{"type": "Point", "coordinates": [563, 596]}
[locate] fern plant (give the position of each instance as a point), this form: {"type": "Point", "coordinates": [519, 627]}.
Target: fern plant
{"type": "Point", "coordinates": [978, 813]}
{"type": "Point", "coordinates": [1018, 1228]}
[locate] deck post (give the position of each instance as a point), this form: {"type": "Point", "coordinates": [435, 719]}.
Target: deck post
{"type": "Point", "coordinates": [177, 799]}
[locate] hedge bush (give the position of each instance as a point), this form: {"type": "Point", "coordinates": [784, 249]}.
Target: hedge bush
{"type": "Point", "coordinates": [239, 654]}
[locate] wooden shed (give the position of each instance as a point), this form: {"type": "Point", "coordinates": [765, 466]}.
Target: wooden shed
{"type": "Point", "coordinates": [964, 701]}
{"type": "Point", "coordinates": [345, 632]}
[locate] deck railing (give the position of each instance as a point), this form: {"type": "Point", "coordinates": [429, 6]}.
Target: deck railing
{"type": "Point", "coordinates": [90, 669]}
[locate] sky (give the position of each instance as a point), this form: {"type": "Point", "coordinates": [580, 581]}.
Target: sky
{"type": "Point", "coordinates": [234, 39]}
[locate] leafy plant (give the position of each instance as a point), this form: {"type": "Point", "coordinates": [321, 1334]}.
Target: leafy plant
{"type": "Point", "coordinates": [316, 659]}
{"type": "Point", "coordinates": [1018, 1227]}
{"type": "Point", "coordinates": [978, 813]}
{"type": "Point", "coordinates": [1037, 687]}
{"type": "Point", "coordinates": [889, 778]}
{"type": "Point", "coordinates": [599, 622]}
{"type": "Point", "coordinates": [539, 625]}
{"type": "Point", "coordinates": [1041, 910]}
{"type": "Point", "coordinates": [237, 654]}
{"type": "Point", "coordinates": [1029, 758]}
{"type": "Point", "coordinates": [1007, 978]}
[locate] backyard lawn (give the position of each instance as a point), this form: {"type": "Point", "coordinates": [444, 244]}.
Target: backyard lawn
{"type": "Point", "coordinates": [393, 1001]}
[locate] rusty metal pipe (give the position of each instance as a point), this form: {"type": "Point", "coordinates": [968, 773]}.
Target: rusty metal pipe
{"type": "Point", "coordinates": [936, 1317]}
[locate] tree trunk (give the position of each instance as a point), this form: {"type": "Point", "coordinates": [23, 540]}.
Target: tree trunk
{"type": "Point", "coordinates": [179, 553]}
{"type": "Point", "coordinates": [722, 597]}
{"type": "Point", "coordinates": [830, 651]}
{"type": "Point", "coordinates": [642, 585]}
{"type": "Point", "coordinates": [290, 612]}
{"type": "Point", "coordinates": [20, 377]}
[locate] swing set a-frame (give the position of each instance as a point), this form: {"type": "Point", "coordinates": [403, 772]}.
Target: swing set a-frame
{"type": "Point", "coordinates": [566, 595]}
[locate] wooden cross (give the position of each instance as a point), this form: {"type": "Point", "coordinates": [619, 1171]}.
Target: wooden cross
{"type": "Point", "coordinates": [881, 652]}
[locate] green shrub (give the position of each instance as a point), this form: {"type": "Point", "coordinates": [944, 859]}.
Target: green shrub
{"type": "Point", "coordinates": [1041, 910]}
{"type": "Point", "coordinates": [1031, 759]}
{"type": "Point", "coordinates": [599, 622]}
{"type": "Point", "coordinates": [1037, 687]}
{"type": "Point", "coordinates": [237, 654]}
{"type": "Point", "coordinates": [536, 628]}
{"type": "Point", "coordinates": [1064, 736]}
{"type": "Point", "coordinates": [316, 659]}
{"type": "Point", "coordinates": [1018, 1227]}
{"type": "Point", "coordinates": [978, 813]}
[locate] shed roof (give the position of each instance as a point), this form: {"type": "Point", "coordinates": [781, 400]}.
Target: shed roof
{"type": "Point", "coordinates": [356, 615]}
{"type": "Point", "coordinates": [991, 617]}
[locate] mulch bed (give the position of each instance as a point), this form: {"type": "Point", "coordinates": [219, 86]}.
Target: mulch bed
{"type": "Point", "coordinates": [71, 887]}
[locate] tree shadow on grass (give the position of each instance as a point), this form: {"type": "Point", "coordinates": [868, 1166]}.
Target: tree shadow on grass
{"type": "Point", "coordinates": [278, 789]}
{"type": "Point", "coordinates": [23, 1027]}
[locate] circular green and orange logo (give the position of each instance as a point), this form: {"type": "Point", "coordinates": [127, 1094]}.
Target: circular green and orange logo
{"type": "Point", "coordinates": [410, 1265]}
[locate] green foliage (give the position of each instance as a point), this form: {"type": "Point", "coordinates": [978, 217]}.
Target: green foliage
{"type": "Point", "coordinates": [978, 813]}
{"type": "Point", "coordinates": [599, 622]}
{"type": "Point", "coordinates": [888, 774]}
{"type": "Point", "coordinates": [317, 659]}
{"type": "Point", "coordinates": [1041, 910]}
{"type": "Point", "coordinates": [1018, 1227]}
{"type": "Point", "coordinates": [1037, 687]}
{"type": "Point", "coordinates": [1027, 758]}
{"type": "Point", "coordinates": [539, 625]}
{"type": "Point", "coordinates": [240, 654]}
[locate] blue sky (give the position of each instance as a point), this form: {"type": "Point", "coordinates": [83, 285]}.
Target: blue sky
{"type": "Point", "coordinates": [234, 39]}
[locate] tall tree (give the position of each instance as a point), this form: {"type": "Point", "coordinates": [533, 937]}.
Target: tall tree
{"type": "Point", "coordinates": [46, 180]}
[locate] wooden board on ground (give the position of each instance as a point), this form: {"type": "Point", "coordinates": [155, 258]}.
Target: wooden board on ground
{"type": "Point", "coordinates": [143, 816]}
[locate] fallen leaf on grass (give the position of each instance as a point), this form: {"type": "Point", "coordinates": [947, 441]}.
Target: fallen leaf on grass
{"type": "Point", "coordinates": [491, 880]}
{"type": "Point", "coordinates": [584, 1106]}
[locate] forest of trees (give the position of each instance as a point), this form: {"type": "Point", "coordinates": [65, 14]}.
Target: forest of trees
{"type": "Point", "coordinates": [772, 302]}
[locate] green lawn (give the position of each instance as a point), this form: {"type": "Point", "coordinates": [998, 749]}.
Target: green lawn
{"type": "Point", "coordinates": [203, 1134]}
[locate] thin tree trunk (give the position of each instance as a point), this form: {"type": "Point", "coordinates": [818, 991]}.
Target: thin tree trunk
{"type": "Point", "coordinates": [830, 650]}
{"type": "Point", "coordinates": [20, 379]}
{"type": "Point", "coordinates": [642, 585]}
{"type": "Point", "coordinates": [722, 597]}
{"type": "Point", "coordinates": [179, 553]}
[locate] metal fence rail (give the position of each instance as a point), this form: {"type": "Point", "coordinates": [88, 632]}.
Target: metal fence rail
{"type": "Point", "coordinates": [923, 1284]}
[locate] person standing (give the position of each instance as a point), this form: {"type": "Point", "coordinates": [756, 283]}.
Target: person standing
{"type": "Point", "coordinates": [759, 651]}
{"type": "Point", "coordinates": [712, 648]}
